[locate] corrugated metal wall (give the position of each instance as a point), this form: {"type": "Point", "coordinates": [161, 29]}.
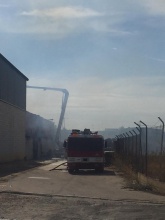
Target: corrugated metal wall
{"type": "Point", "coordinates": [12, 112]}
{"type": "Point", "coordinates": [12, 85]}
{"type": "Point", "coordinates": [40, 137]}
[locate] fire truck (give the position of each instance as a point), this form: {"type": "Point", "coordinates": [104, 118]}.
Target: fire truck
{"type": "Point", "coordinates": [85, 150]}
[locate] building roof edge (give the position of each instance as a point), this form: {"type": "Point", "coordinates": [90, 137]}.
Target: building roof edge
{"type": "Point", "coordinates": [11, 65]}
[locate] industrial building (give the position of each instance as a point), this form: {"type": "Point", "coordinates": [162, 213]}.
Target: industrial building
{"type": "Point", "coordinates": [12, 112]}
{"type": "Point", "coordinates": [40, 137]}
{"type": "Point", "coordinates": [23, 135]}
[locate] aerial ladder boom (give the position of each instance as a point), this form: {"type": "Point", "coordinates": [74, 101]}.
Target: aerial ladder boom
{"type": "Point", "coordinates": [63, 108]}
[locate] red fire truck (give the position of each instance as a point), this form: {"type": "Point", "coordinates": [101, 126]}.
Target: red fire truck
{"type": "Point", "coordinates": [85, 150]}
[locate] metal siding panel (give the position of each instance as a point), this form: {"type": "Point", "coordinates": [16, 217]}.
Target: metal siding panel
{"type": "Point", "coordinates": [12, 86]}
{"type": "Point", "coordinates": [12, 133]}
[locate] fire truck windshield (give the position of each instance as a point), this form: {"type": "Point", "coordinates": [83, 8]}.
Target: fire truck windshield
{"type": "Point", "coordinates": [85, 144]}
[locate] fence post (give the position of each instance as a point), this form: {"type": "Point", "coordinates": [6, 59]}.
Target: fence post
{"type": "Point", "coordinates": [117, 145]}
{"type": "Point", "coordinates": [161, 149]}
{"type": "Point", "coordinates": [126, 151]}
{"type": "Point", "coordinates": [146, 156]}
{"type": "Point", "coordinates": [121, 146]}
{"type": "Point", "coordinates": [128, 137]}
{"type": "Point", "coordinates": [132, 150]}
{"type": "Point", "coordinates": [136, 156]}
{"type": "Point", "coordinates": [162, 136]}
{"type": "Point", "coordinates": [140, 148]}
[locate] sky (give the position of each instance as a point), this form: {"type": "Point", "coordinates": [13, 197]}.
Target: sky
{"type": "Point", "coordinates": [108, 54]}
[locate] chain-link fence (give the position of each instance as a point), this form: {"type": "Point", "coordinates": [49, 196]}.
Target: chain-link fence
{"type": "Point", "coordinates": [143, 150]}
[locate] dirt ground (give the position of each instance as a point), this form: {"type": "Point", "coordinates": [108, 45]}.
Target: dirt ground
{"type": "Point", "coordinates": [21, 206]}
{"type": "Point", "coordinates": [39, 193]}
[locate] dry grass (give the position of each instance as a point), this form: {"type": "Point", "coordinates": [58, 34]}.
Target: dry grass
{"type": "Point", "coordinates": [138, 181]}
{"type": "Point", "coordinates": [156, 167]}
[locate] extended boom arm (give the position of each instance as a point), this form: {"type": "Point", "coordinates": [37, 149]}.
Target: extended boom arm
{"type": "Point", "coordinates": [64, 103]}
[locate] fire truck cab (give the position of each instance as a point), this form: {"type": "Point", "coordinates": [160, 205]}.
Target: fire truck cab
{"type": "Point", "coordinates": [85, 150]}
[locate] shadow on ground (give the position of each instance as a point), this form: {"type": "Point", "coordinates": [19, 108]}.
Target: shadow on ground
{"type": "Point", "coordinates": [17, 166]}
{"type": "Point", "coordinates": [93, 172]}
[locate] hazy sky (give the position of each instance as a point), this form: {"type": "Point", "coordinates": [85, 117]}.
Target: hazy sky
{"type": "Point", "coordinates": [109, 55]}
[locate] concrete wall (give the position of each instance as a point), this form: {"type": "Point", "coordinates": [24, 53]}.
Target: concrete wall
{"type": "Point", "coordinates": [12, 133]}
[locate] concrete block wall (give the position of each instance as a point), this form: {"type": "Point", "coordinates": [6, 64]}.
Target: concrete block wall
{"type": "Point", "coordinates": [12, 133]}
